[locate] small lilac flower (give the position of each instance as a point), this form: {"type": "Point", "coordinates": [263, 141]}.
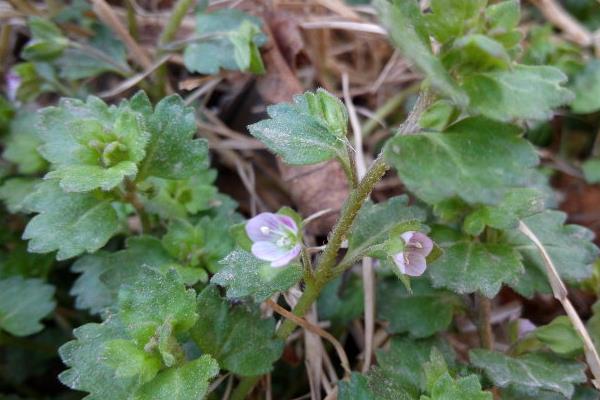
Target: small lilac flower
{"type": "Point", "coordinates": [13, 81]}
{"type": "Point", "coordinates": [417, 247]}
{"type": "Point", "coordinates": [275, 238]}
{"type": "Point", "coordinates": [524, 327]}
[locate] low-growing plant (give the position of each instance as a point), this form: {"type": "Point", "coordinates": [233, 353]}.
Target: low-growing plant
{"type": "Point", "coordinates": [177, 294]}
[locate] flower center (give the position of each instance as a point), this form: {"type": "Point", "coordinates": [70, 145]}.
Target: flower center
{"type": "Point", "coordinates": [265, 230]}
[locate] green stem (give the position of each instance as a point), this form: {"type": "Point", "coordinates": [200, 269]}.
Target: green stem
{"type": "Point", "coordinates": [132, 198]}
{"type": "Point", "coordinates": [484, 311]}
{"type": "Point", "coordinates": [325, 268]}
{"type": "Point", "coordinates": [244, 387]}
{"type": "Point", "coordinates": [179, 11]}
{"type": "Point", "coordinates": [324, 271]}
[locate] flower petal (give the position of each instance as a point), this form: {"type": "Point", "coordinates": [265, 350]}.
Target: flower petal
{"type": "Point", "coordinates": [417, 242]}
{"type": "Point", "coordinates": [416, 264]}
{"type": "Point", "coordinates": [268, 251]}
{"type": "Point", "coordinates": [399, 261]}
{"type": "Point", "coordinates": [285, 260]}
{"type": "Point", "coordinates": [263, 227]}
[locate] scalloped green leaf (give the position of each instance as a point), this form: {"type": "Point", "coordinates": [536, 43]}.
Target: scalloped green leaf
{"type": "Point", "coordinates": [477, 160]}
{"type": "Point", "coordinates": [23, 303]}
{"type": "Point", "coordinates": [243, 275]}
{"type": "Point", "coordinates": [531, 373]}
{"type": "Point", "coordinates": [189, 381]}
{"type": "Point", "coordinates": [156, 299]}
{"type": "Point", "coordinates": [302, 133]}
{"type": "Point", "coordinates": [72, 223]}
{"type": "Point", "coordinates": [172, 151]}
{"type": "Point", "coordinates": [421, 313]}
{"type": "Point", "coordinates": [228, 39]}
{"type": "Point", "coordinates": [468, 266]}
{"type": "Point", "coordinates": [522, 92]}
{"type": "Point", "coordinates": [235, 335]}
{"type": "Point", "coordinates": [570, 247]}
{"type": "Point", "coordinates": [91, 145]}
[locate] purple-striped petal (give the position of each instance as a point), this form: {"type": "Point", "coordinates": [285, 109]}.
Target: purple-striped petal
{"type": "Point", "coordinates": [268, 251]}
{"type": "Point", "coordinates": [417, 242]}
{"type": "Point", "coordinates": [285, 260]}
{"type": "Point", "coordinates": [263, 227]}
{"type": "Point", "coordinates": [409, 263]}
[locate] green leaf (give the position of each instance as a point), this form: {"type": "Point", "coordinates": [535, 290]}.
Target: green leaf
{"type": "Point", "coordinates": [569, 246]}
{"type": "Point", "coordinates": [244, 275]}
{"type": "Point", "coordinates": [178, 198]}
{"type": "Point", "coordinates": [378, 223]}
{"type": "Point", "coordinates": [235, 336]}
{"type": "Point", "coordinates": [85, 372]}
{"type": "Point", "coordinates": [585, 85]}
{"type": "Point", "coordinates": [403, 364]}
{"type": "Point", "coordinates": [304, 132]}
{"type": "Point", "coordinates": [516, 204]}
{"type": "Point", "coordinates": [449, 19]}
{"type": "Point", "coordinates": [47, 42]}
{"type": "Point", "coordinates": [228, 39]}
{"type": "Point", "coordinates": [468, 266]}
{"type": "Point", "coordinates": [524, 92]}
{"type": "Point", "coordinates": [408, 32]}
{"type": "Point", "coordinates": [560, 336]}
{"type": "Point", "coordinates": [153, 300]}
{"type": "Point", "coordinates": [23, 303]}
{"type": "Point", "coordinates": [532, 372]}
{"type": "Point", "coordinates": [129, 361]}
{"type": "Point", "coordinates": [22, 143]}
{"type": "Point", "coordinates": [441, 385]}
{"type": "Point", "coordinates": [19, 262]}
{"type": "Point", "coordinates": [246, 52]}
{"type": "Point", "coordinates": [341, 301]}
{"type": "Point", "coordinates": [476, 52]}
{"type": "Point", "coordinates": [172, 151]}
{"type": "Point", "coordinates": [438, 115]}
{"type": "Point", "coordinates": [71, 223]}
{"type": "Point", "coordinates": [201, 245]}
{"type": "Point", "coordinates": [591, 170]}
{"type": "Point", "coordinates": [421, 313]}
{"type": "Point", "coordinates": [476, 159]}
{"type": "Point", "coordinates": [91, 145]}
{"type": "Point", "coordinates": [76, 63]}
{"type": "Point", "coordinates": [504, 15]}
{"type": "Point", "coordinates": [14, 191]}
{"type": "Point", "coordinates": [355, 389]}
{"type": "Point", "coordinates": [593, 324]}
{"type": "Point", "coordinates": [189, 381]}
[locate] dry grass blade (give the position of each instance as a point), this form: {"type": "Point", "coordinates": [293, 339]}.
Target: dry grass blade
{"type": "Point", "coordinates": [317, 330]}
{"type": "Point", "coordinates": [367, 263]}
{"type": "Point", "coordinates": [134, 80]}
{"type": "Point", "coordinates": [110, 18]}
{"type": "Point", "coordinates": [340, 8]}
{"type": "Point", "coordinates": [560, 293]}
{"type": "Point", "coordinates": [345, 25]}
{"type": "Point", "coordinates": [573, 30]}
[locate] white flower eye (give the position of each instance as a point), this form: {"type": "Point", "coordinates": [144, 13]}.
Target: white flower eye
{"type": "Point", "coordinates": [265, 230]}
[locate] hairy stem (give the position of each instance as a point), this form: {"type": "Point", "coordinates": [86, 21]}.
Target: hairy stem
{"type": "Point", "coordinates": [132, 198]}
{"type": "Point", "coordinates": [484, 324]}
{"type": "Point", "coordinates": [324, 271]}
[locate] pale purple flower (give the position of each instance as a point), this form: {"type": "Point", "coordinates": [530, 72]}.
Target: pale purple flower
{"type": "Point", "coordinates": [412, 260]}
{"type": "Point", "coordinates": [524, 326]}
{"type": "Point", "coordinates": [275, 238]}
{"type": "Point", "coordinates": [13, 81]}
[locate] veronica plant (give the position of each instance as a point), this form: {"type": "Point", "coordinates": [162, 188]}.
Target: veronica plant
{"type": "Point", "coordinates": [181, 283]}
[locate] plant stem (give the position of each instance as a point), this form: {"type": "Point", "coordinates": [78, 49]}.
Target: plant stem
{"type": "Point", "coordinates": [484, 324]}
{"type": "Point", "coordinates": [244, 387]}
{"type": "Point", "coordinates": [324, 271]}
{"type": "Point", "coordinates": [132, 198]}
{"type": "Point", "coordinates": [170, 30]}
